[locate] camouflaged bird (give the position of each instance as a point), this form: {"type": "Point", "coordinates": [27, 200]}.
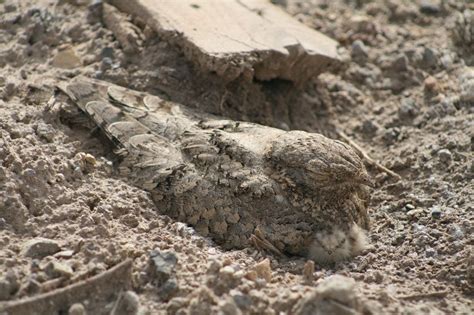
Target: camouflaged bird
{"type": "Point", "coordinates": [290, 192]}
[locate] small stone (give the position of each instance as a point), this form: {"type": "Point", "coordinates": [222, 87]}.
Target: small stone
{"type": "Point", "coordinates": [400, 63]}
{"type": "Point", "coordinates": [407, 109]}
{"type": "Point", "coordinates": [161, 265]}
{"type": "Point", "coordinates": [228, 307]}
{"type": "Point", "coordinates": [128, 303]}
{"type": "Point", "coordinates": [77, 309]}
{"type": "Point", "coordinates": [251, 275]}
{"type": "Point", "coordinates": [56, 269]}
{"type": "Point", "coordinates": [431, 84]}
{"type": "Point", "coordinates": [335, 295]}
{"type": "Point", "coordinates": [106, 64]}
{"type": "Point", "coordinates": [66, 59]}
{"type": "Point", "coordinates": [243, 301]}
{"type": "Point", "coordinates": [430, 7]}
{"type": "Point", "coordinates": [436, 212]}
{"type": "Point", "coordinates": [45, 131]}
{"type": "Point", "coordinates": [264, 270]}
{"type": "Point", "coordinates": [445, 156]}
{"type": "Point", "coordinates": [130, 220]}
{"type": "Point", "coordinates": [95, 11]}
{"type": "Point", "coordinates": [359, 50]}
{"type": "Point", "coordinates": [64, 253]}
{"type": "Point", "coordinates": [40, 247]}
{"type": "Point", "coordinates": [467, 86]}
{"type": "Point", "coordinates": [430, 252]}
{"type": "Point", "coordinates": [4, 289]}
{"type": "Point", "coordinates": [409, 206]}
{"type": "Point", "coordinates": [369, 127]}
{"type": "Point", "coordinates": [107, 52]}
{"type": "Point", "coordinates": [455, 231]}
{"type": "Point", "coordinates": [308, 271]}
{"type": "Point", "coordinates": [169, 289]}
{"type": "Point", "coordinates": [12, 278]}
{"type": "Point", "coordinates": [429, 57]}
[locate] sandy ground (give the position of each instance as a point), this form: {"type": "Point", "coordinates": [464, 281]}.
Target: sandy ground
{"type": "Point", "coordinates": [406, 95]}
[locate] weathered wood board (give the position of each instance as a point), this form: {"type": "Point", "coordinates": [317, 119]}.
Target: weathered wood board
{"type": "Point", "coordinates": [250, 38]}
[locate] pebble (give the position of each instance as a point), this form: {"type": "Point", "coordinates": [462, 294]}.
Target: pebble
{"type": "Point", "coordinates": [107, 52]}
{"type": "Point", "coordinates": [429, 57]}
{"type": "Point", "coordinates": [66, 59]}
{"type": "Point", "coordinates": [228, 307]}
{"type": "Point", "coordinates": [106, 64]}
{"type": "Point", "coordinates": [445, 156]}
{"type": "Point", "coordinates": [308, 272]}
{"type": "Point", "coordinates": [431, 84]}
{"type": "Point", "coordinates": [359, 50]}
{"type": "Point", "coordinates": [162, 265]}
{"type": "Point", "coordinates": [430, 252]}
{"type": "Point", "coordinates": [264, 270]}
{"type": "Point", "coordinates": [40, 247]}
{"type": "Point", "coordinates": [467, 86]}
{"type": "Point", "coordinates": [56, 269]}
{"type": "Point", "coordinates": [436, 212]}
{"type": "Point", "coordinates": [407, 109]}
{"type": "Point", "coordinates": [169, 289]}
{"type": "Point", "coordinates": [400, 63]}
{"type": "Point", "coordinates": [243, 301]}
{"type": "Point", "coordinates": [4, 290]}
{"type": "Point", "coordinates": [128, 303]}
{"type": "Point", "coordinates": [369, 127]}
{"type": "Point", "coordinates": [455, 231]}
{"type": "Point", "coordinates": [45, 131]}
{"type": "Point", "coordinates": [329, 295]}
{"type": "Point", "coordinates": [77, 309]}
{"type": "Point", "coordinates": [430, 7]}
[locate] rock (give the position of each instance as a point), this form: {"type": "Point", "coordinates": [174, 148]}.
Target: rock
{"type": "Point", "coordinates": [5, 289]}
{"type": "Point", "coordinates": [470, 268]}
{"type": "Point", "coordinates": [369, 127]}
{"type": "Point", "coordinates": [407, 109]}
{"type": "Point", "coordinates": [40, 247]}
{"type": "Point", "coordinates": [430, 252]}
{"type": "Point", "coordinates": [467, 86]}
{"type": "Point", "coordinates": [400, 63]}
{"type": "Point", "coordinates": [455, 231]}
{"type": "Point", "coordinates": [243, 301]}
{"type": "Point", "coordinates": [445, 156]}
{"type": "Point", "coordinates": [45, 131]}
{"type": "Point", "coordinates": [228, 307]}
{"type": "Point", "coordinates": [56, 269]}
{"type": "Point", "coordinates": [94, 11]}
{"type": "Point", "coordinates": [161, 266]}
{"type": "Point", "coordinates": [430, 6]}
{"type": "Point", "coordinates": [359, 50]}
{"type": "Point", "coordinates": [308, 271]}
{"type": "Point", "coordinates": [66, 59]}
{"type": "Point", "coordinates": [77, 309]}
{"type": "Point", "coordinates": [430, 58]}
{"type": "Point", "coordinates": [12, 278]}
{"type": "Point", "coordinates": [106, 64]}
{"type": "Point", "coordinates": [127, 303]}
{"type": "Point", "coordinates": [431, 84]}
{"type": "Point", "coordinates": [264, 270]}
{"type": "Point", "coordinates": [336, 295]}
{"type": "Point", "coordinates": [436, 212]}
{"type": "Point", "coordinates": [463, 30]}
{"type": "Point", "coordinates": [169, 289]}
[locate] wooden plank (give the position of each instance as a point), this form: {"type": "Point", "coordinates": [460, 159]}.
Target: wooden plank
{"type": "Point", "coordinates": [250, 38]}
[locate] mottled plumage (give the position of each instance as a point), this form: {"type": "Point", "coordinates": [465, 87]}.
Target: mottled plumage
{"type": "Point", "coordinates": [237, 182]}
